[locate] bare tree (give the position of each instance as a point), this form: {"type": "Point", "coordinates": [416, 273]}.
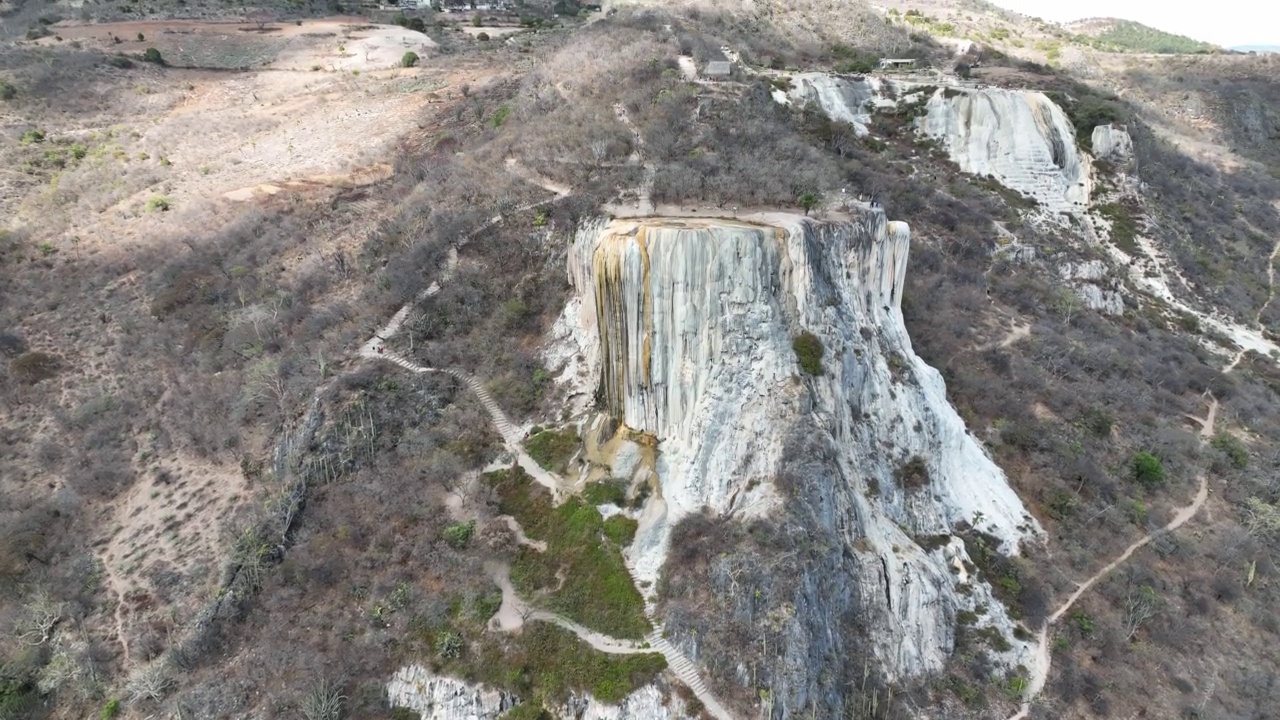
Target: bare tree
{"type": "Point", "coordinates": [1141, 603]}
{"type": "Point", "coordinates": [43, 613]}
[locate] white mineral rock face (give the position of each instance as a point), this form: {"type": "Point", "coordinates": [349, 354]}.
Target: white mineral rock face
{"type": "Point", "coordinates": [435, 697]}
{"type": "Point", "coordinates": [647, 703]}
{"type": "Point", "coordinates": [1093, 287]}
{"type": "Point", "coordinates": [842, 99]}
{"type": "Point", "coordinates": [1019, 137]}
{"type": "Point", "coordinates": [1112, 142]}
{"type": "Point", "coordinates": [686, 328]}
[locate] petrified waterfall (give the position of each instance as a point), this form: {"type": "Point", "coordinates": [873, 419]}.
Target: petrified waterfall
{"type": "Point", "coordinates": [683, 327]}
{"type": "Point", "coordinates": [1021, 138]}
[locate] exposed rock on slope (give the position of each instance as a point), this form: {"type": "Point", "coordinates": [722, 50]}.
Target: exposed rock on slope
{"type": "Point", "coordinates": [686, 328]}
{"type": "Point", "coordinates": [842, 99]}
{"type": "Point", "coordinates": [1021, 138]}
{"type": "Point", "coordinates": [1111, 142]}
{"type": "Point", "coordinates": [1093, 286]}
{"type": "Point", "coordinates": [435, 697]}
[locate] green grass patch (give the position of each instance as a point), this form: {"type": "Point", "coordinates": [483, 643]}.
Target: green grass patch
{"type": "Point", "coordinates": [581, 548]}
{"type": "Point", "coordinates": [500, 115]}
{"type": "Point", "coordinates": [607, 492]}
{"type": "Point", "coordinates": [545, 664]}
{"type": "Point", "coordinates": [620, 529]}
{"type": "Point", "coordinates": [1124, 226]}
{"type": "Point", "coordinates": [552, 448]}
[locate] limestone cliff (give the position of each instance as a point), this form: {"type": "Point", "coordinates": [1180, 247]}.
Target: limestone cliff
{"type": "Point", "coordinates": [436, 697]}
{"type": "Point", "coordinates": [848, 100]}
{"type": "Point", "coordinates": [1021, 138]}
{"type": "Point", "coordinates": [685, 329]}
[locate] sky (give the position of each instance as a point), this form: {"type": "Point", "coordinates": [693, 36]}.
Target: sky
{"type": "Point", "coordinates": [1221, 22]}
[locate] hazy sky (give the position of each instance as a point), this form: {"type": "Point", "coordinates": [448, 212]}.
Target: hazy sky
{"type": "Point", "coordinates": [1222, 22]}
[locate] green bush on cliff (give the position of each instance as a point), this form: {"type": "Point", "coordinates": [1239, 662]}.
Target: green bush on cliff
{"type": "Point", "coordinates": [809, 352]}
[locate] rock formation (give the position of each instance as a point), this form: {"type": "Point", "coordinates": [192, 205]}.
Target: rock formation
{"type": "Point", "coordinates": [436, 697]}
{"type": "Point", "coordinates": [1020, 138]}
{"type": "Point", "coordinates": [685, 330]}
{"type": "Point", "coordinates": [842, 99]}
{"type": "Point", "coordinates": [1111, 142]}
{"type": "Point", "coordinates": [1094, 287]}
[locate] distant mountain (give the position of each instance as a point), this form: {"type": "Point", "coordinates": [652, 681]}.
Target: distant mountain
{"type": "Point", "coordinates": [1118, 35]}
{"type": "Point", "coordinates": [1257, 48]}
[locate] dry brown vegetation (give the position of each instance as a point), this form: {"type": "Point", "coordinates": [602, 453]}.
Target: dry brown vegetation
{"type": "Point", "coordinates": [206, 492]}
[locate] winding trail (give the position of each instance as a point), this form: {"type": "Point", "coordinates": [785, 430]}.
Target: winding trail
{"type": "Point", "coordinates": [1044, 657]}
{"type": "Point", "coordinates": [513, 611]}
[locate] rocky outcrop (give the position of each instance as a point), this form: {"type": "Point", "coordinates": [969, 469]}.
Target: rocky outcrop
{"type": "Point", "coordinates": [647, 703]}
{"type": "Point", "coordinates": [849, 100]}
{"type": "Point", "coordinates": [435, 697]}
{"type": "Point", "coordinates": [1094, 288]}
{"type": "Point", "coordinates": [1112, 143]}
{"type": "Point", "coordinates": [1020, 138]}
{"type": "Point", "coordinates": [685, 329]}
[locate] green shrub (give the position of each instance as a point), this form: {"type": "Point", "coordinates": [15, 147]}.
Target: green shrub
{"type": "Point", "coordinates": [7, 90]}
{"type": "Point", "coordinates": [1082, 622]}
{"type": "Point", "coordinates": [458, 535]}
{"type": "Point", "coordinates": [808, 201]}
{"type": "Point", "coordinates": [500, 115]}
{"type": "Point", "coordinates": [411, 23]}
{"type": "Point", "coordinates": [1231, 446]}
{"type": "Point", "coordinates": [552, 449]}
{"type": "Point", "coordinates": [809, 350]}
{"type": "Point", "coordinates": [32, 136]}
{"type": "Point", "coordinates": [449, 645]}
{"type": "Point", "coordinates": [120, 61]}
{"type": "Point", "coordinates": [476, 20]}
{"type": "Point", "coordinates": [152, 55]}
{"type": "Point", "coordinates": [1147, 469]}
{"type": "Point", "coordinates": [110, 710]}
{"type": "Point", "coordinates": [482, 36]}
{"type": "Point", "coordinates": [1062, 504]}
{"type": "Point", "coordinates": [1090, 112]}
{"type": "Point", "coordinates": [606, 492]}
{"type": "Point", "coordinates": [620, 529]}
{"type": "Point", "coordinates": [159, 203]}
{"type": "Point", "coordinates": [78, 151]}
{"type": "Point", "coordinates": [409, 59]}
{"type": "Point", "coordinates": [1097, 421]}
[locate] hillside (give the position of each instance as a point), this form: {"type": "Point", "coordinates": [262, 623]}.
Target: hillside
{"type": "Point", "coordinates": [515, 364]}
{"type": "Point", "coordinates": [1117, 35]}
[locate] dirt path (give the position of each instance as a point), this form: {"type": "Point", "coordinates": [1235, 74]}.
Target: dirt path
{"type": "Point", "coordinates": [644, 203]}
{"type": "Point", "coordinates": [1044, 657]}
{"type": "Point", "coordinates": [1271, 283]}
{"type": "Point", "coordinates": [514, 612]}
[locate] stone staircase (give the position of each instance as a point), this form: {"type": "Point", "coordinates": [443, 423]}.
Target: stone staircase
{"type": "Point", "coordinates": [687, 672]}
